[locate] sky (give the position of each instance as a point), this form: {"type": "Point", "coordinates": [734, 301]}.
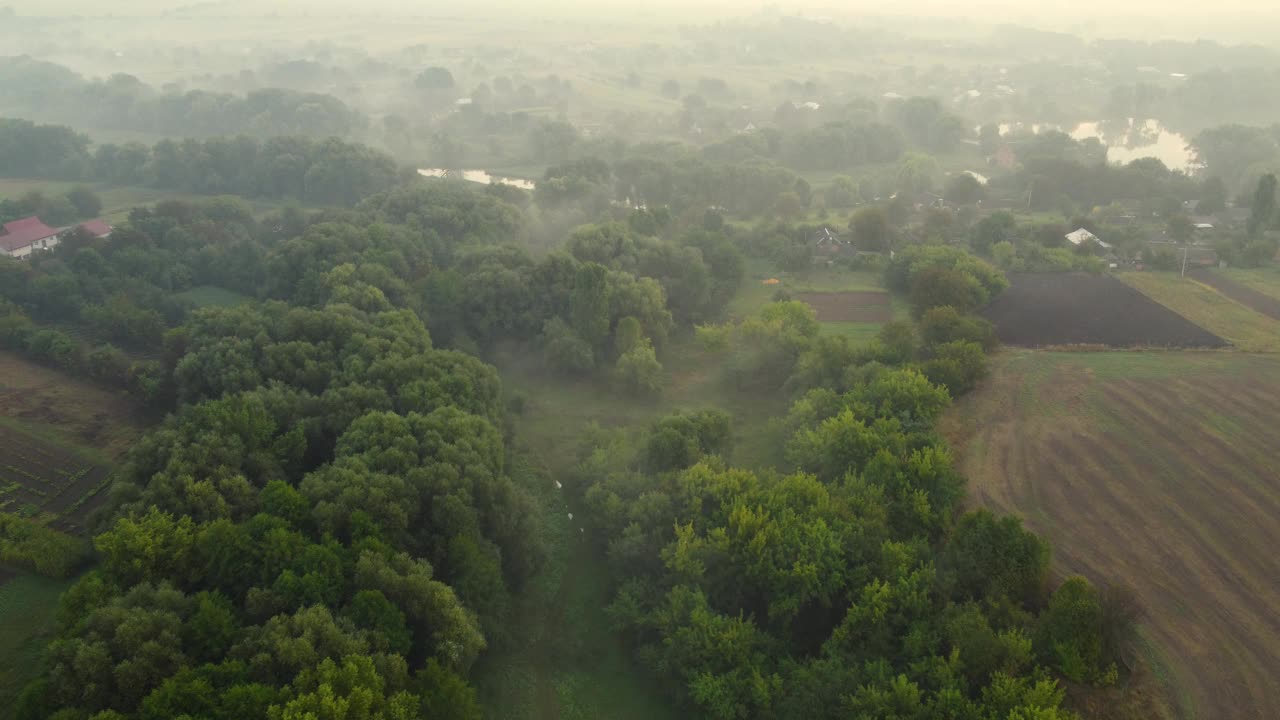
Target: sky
{"type": "Point", "coordinates": [1225, 20]}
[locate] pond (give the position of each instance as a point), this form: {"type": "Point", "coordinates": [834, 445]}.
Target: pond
{"type": "Point", "coordinates": [477, 176]}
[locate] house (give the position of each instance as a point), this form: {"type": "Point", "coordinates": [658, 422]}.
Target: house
{"type": "Point", "coordinates": [22, 237]}
{"type": "Point", "coordinates": [829, 242]}
{"type": "Point", "coordinates": [97, 228]}
{"type": "Point", "coordinates": [1081, 236]}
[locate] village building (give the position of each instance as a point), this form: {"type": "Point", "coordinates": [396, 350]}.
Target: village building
{"type": "Point", "coordinates": [22, 237]}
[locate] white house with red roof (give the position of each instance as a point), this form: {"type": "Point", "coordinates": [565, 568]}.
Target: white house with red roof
{"type": "Point", "coordinates": [22, 237]}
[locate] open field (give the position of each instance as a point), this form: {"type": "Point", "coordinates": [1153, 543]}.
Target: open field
{"type": "Point", "coordinates": [1244, 328]}
{"type": "Point", "coordinates": [850, 307]}
{"type": "Point", "coordinates": [1157, 470]}
{"type": "Point", "coordinates": [27, 606]}
{"type": "Point", "coordinates": [1255, 300]}
{"type": "Point", "coordinates": [59, 438]}
{"type": "Point", "coordinates": [1047, 309]}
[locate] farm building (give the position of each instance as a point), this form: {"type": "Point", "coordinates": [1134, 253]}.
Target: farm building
{"type": "Point", "coordinates": [22, 237]}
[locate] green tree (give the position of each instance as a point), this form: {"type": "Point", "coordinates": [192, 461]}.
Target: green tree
{"type": "Point", "coordinates": [639, 372]}
{"type": "Point", "coordinates": [871, 230]}
{"type": "Point", "coordinates": [1262, 213]}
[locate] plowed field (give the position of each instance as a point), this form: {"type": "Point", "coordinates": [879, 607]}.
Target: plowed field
{"type": "Point", "coordinates": [1160, 471]}
{"type": "Point", "coordinates": [868, 307]}
{"type": "Point", "coordinates": [1040, 310]}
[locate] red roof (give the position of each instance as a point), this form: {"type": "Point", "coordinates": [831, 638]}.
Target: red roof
{"type": "Point", "coordinates": [96, 227]}
{"type": "Point", "coordinates": [24, 232]}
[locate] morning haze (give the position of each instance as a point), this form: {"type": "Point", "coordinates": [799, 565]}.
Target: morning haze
{"type": "Point", "coordinates": [639, 361]}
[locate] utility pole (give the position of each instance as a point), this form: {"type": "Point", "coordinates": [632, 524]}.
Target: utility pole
{"type": "Point", "coordinates": [1184, 261]}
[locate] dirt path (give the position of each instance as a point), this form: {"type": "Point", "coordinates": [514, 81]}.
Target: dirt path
{"type": "Point", "coordinates": [1246, 296]}
{"type": "Point", "coordinates": [1168, 482]}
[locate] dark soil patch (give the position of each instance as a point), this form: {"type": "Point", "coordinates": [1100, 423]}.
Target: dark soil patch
{"type": "Point", "coordinates": [36, 473]}
{"type": "Point", "coordinates": [868, 307]}
{"type": "Point", "coordinates": [1045, 309]}
{"type": "Point", "coordinates": [1246, 296]}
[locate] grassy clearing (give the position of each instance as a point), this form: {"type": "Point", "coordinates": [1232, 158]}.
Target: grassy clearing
{"type": "Point", "coordinates": [1264, 280]}
{"type": "Point", "coordinates": [27, 606]}
{"type": "Point", "coordinates": [117, 201]}
{"type": "Point", "coordinates": [1206, 307]}
{"type": "Point", "coordinates": [66, 411]}
{"type": "Point", "coordinates": [211, 296]}
{"type": "Point", "coordinates": [564, 659]}
{"type": "Point", "coordinates": [1156, 470]}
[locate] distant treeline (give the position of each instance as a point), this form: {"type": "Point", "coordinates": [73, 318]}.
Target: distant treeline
{"type": "Point", "coordinates": [328, 172]}
{"type": "Point", "coordinates": [125, 103]}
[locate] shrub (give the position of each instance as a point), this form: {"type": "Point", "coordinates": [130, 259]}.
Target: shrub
{"type": "Point", "coordinates": [39, 548]}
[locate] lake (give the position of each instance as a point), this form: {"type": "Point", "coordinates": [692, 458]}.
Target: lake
{"type": "Point", "coordinates": [477, 176]}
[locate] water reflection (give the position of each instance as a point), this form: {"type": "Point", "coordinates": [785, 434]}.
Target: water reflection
{"type": "Point", "coordinates": [1130, 139]}
{"type": "Point", "coordinates": [1126, 140]}
{"type": "Point", "coordinates": [478, 176]}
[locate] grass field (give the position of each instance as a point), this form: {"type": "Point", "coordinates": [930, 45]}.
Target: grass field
{"type": "Point", "coordinates": [212, 296]}
{"type": "Point", "coordinates": [117, 201]}
{"type": "Point", "coordinates": [1156, 470]}
{"type": "Point", "coordinates": [565, 661]}
{"type": "Point", "coordinates": [27, 606]}
{"type": "Point", "coordinates": [1264, 280]}
{"type": "Point", "coordinates": [1244, 328]}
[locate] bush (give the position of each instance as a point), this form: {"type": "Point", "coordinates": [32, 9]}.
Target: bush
{"type": "Point", "coordinates": [942, 325]}
{"type": "Point", "coordinates": [939, 286]}
{"type": "Point", "coordinates": [40, 548]}
{"type": "Point", "coordinates": [1070, 636]}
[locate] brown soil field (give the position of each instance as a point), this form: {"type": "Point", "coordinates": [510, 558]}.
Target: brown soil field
{"type": "Point", "coordinates": [63, 408]}
{"type": "Point", "coordinates": [869, 307]}
{"type": "Point", "coordinates": [1047, 309]}
{"type": "Point", "coordinates": [1247, 296]}
{"type": "Point", "coordinates": [1157, 470]}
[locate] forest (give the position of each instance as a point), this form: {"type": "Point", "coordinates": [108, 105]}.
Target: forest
{"type": "Point", "coordinates": [661, 409]}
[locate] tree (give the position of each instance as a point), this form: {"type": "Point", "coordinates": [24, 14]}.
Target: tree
{"type": "Point", "coordinates": [990, 557]}
{"type": "Point", "coordinates": [1180, 228]}
{"type": "Point", "coordinates": [639, 371]}
{"type": "Point", "coordinates": [1213, 196]}
{"type": "Point", "coordinates": [434, 78]}
{"type": "Point", "coordinates": [564, 351]}
{"type": "Point", "coordinates": [85, 201]}
{"type": "Point", "coordinates": [589, 304]}
{"type": "Point", "coordinates": [789, 206]}
{"type": "Point", "coordinates": [964, 189]}
{"type": "Point", "coordinates": [1262, 213]}
{"type": "Point", "coordinates": [939, 286]}
{"type": "Point", "coordinates": [870, 228]}
{"type": "Point", "coordinates": [998, 227]}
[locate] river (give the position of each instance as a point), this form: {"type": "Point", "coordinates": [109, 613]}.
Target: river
{"type": "Point", "coordinates": [476, 176]}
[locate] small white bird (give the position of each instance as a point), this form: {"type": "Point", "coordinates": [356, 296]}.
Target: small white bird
{"type": "Point", "coordinates": [558, 485]}
{"type": "Point", "coordinates": [570, 516]}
